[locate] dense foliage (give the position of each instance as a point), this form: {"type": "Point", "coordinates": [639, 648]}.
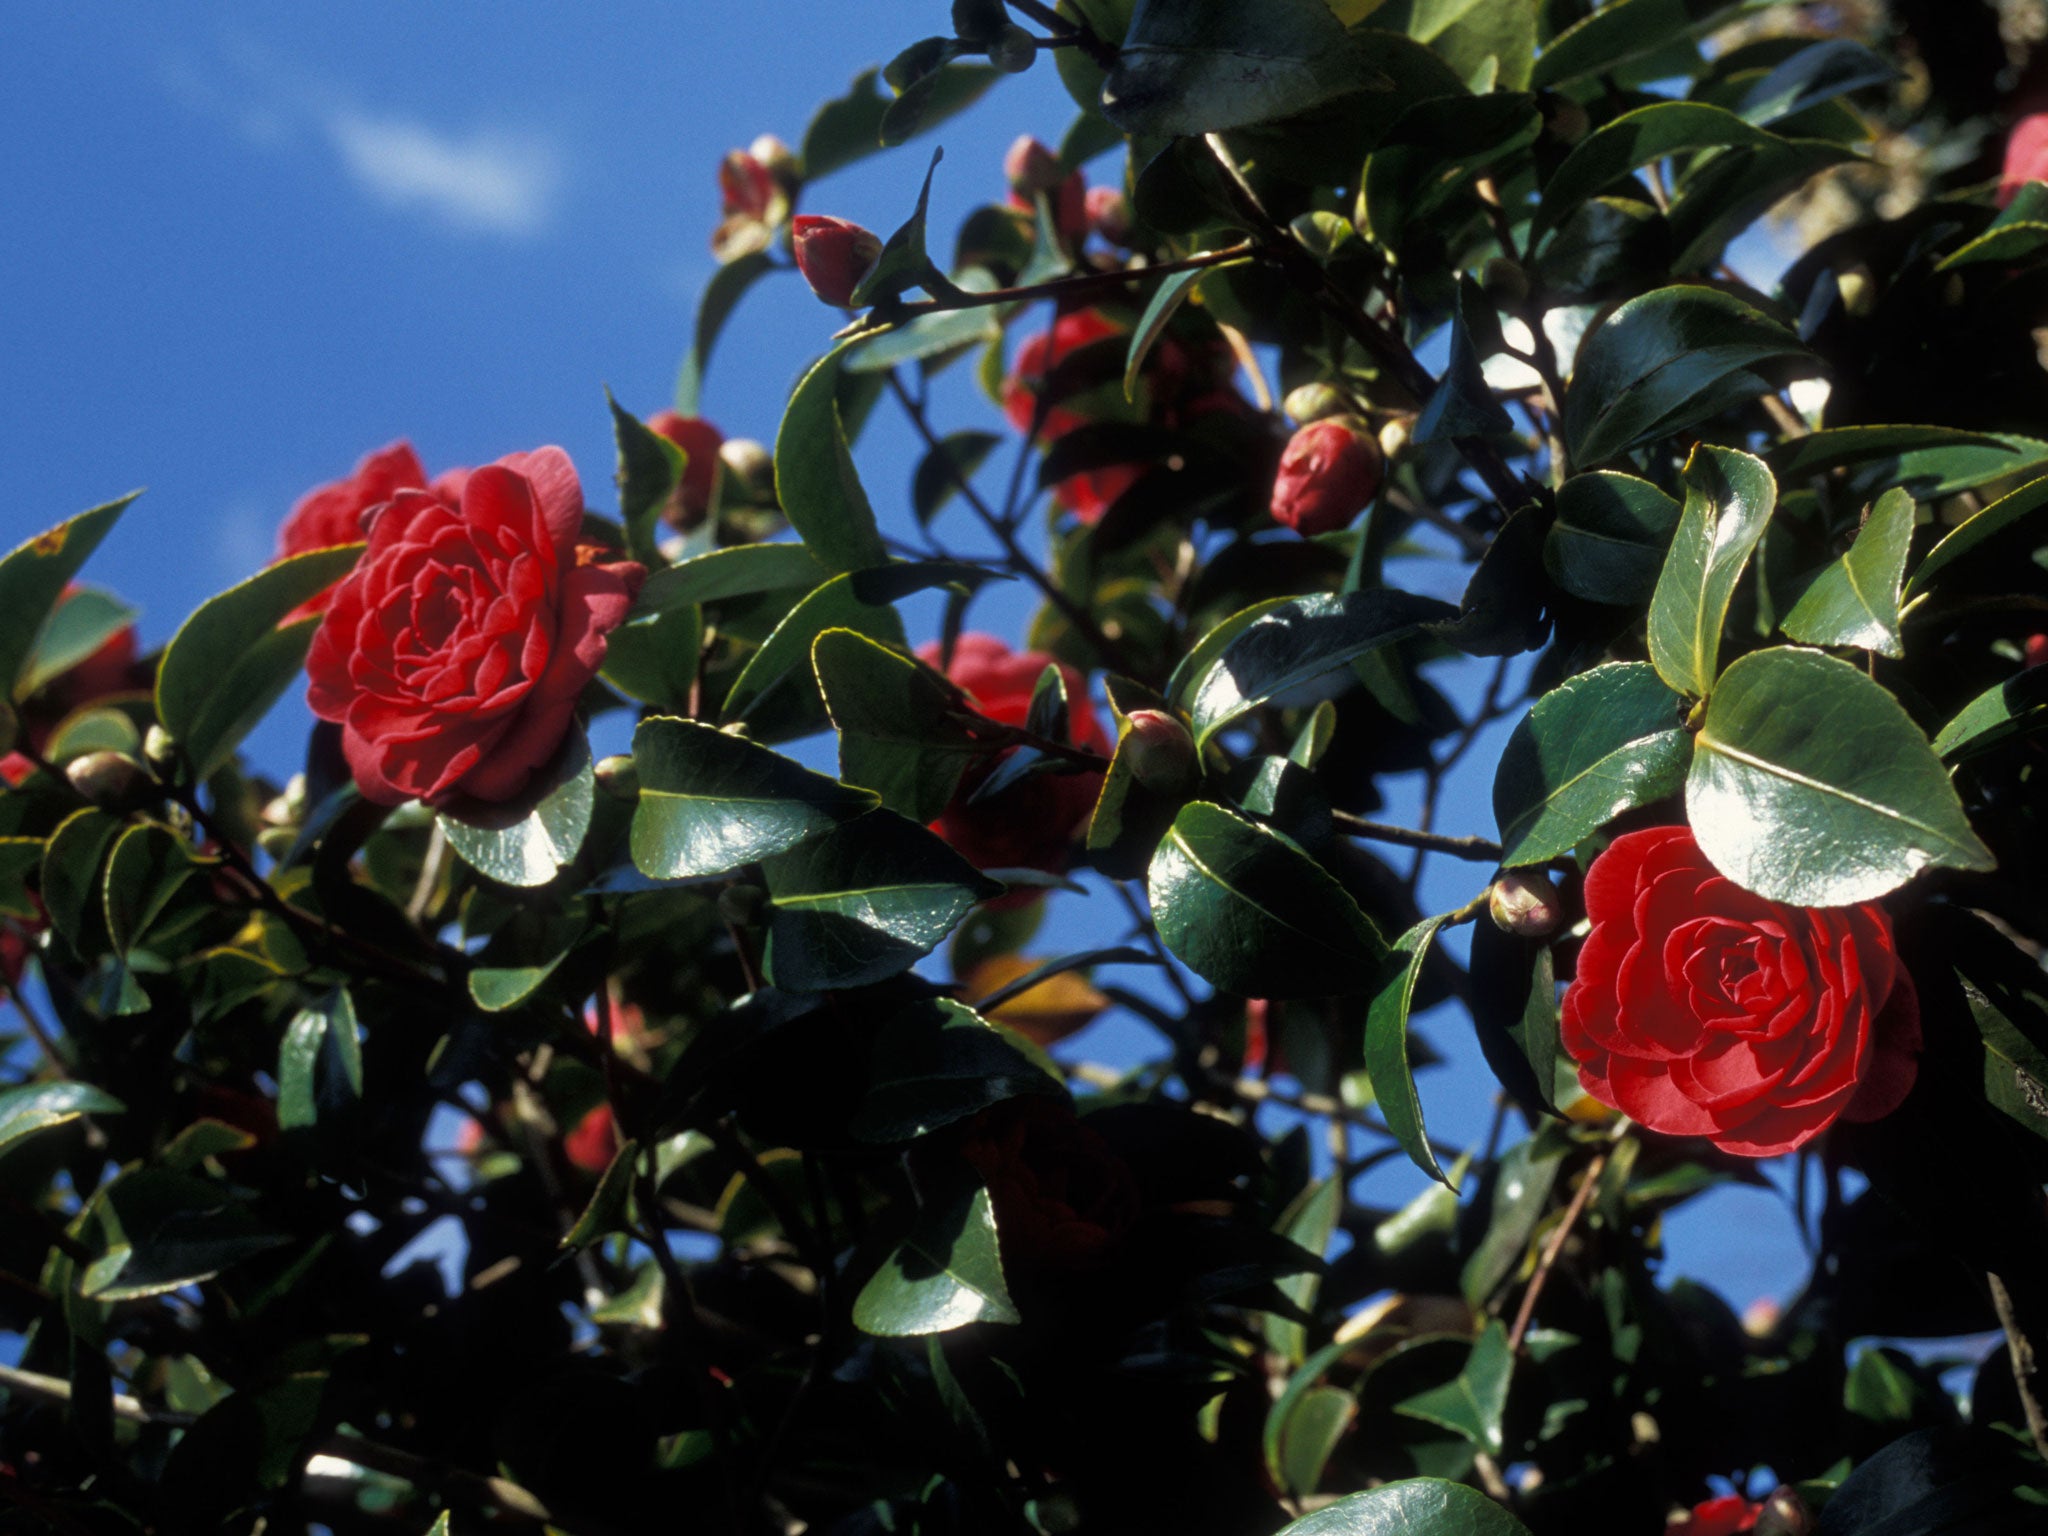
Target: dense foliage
{"type": "Point", "coordinates": [747, 1102]}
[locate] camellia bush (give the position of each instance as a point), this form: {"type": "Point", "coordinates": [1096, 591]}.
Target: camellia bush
{"type": "Point", "coordinates": [459, 1132]}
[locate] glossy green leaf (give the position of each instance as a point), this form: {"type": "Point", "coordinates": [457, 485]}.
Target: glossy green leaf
{"type": "Point", "coordinates": [1386, 1048]}
{"type": "Point", "coordinates": [2002, 515]}
{"type": "Point", "coordinates": [1594, 746]}
{"type": "Point", "coordinates": [721, 297]}
{"type": "Point", "coordinates": [864, 901]}
{"type": "Point", "coordinates": [19, 858]}
{"type": "Point", "coordinates": [1298, 642]}
{"type": "Point", "coordinates": [1159, 311]}
{"type": "Point", "coordinates": [845, 129]}
{"type": "Point", "coordinates": [1462, 405]}
{"type": "Point", "coordinates": [1190, 67]}
{"type": "Point", "coordinates": [1415, 1506]}
{"type": "Point", "coordinates": [34, 1107]}
{"type": "Point", "coordinates": [2006, 244]}
{"type": "Point", "coordinates": [1729, 497]}
{"type": "Point", "coordinates": [1619, 33]}
{"type": "Point", "coordinates": [931, 100]}
{"type": "Point", "coordinates": [1811, 785]}
{"type": "Point", "coordinates": [1855, 601]}
{"type": "Point", "coordinates": [231, 660]}
{"type": "Point", "coordinates": [1309, 1222]}
{"type": "Point", "coordinates": [932, 335]}
{"type": "Point", "coordinates": [1472, 1404]}
{"type": "Point", "coordinates": [72, 861]}
{"type": "Point", "coordinates": [32, 581]}
{"type": "Point", "coordinates": [1665, 362]}
{"type": "Point", "coordinates": [1610, 538]}
{"type": "Point", "coordinates": [320, 1062]}
{"type": "Point", "coordinates": [1636, 139]}
{"type": "Point", "coordinates": [815, 478]}
{"type": "Point", "coordinates": [1202, 655]}
{"type": "Point", "coordinates": [546, 835]}
{"type": "Point", "coordinates": [946, 1274]}
{"type": "Point", "coordinates": [654, 657]}
{"type": "Point", "coordinates": [650, 469]}
{"type": "Point", "coordinates": [1248, 911]}
{"type": "Point", "coordinates": [523, 954]}
{"type": "Point", "coordinates": [745, 570]}
{"type": "Point", "coordinates": [1931, 462]}
{"type": "Point", "coordinates": [605, 1211]}
{"type": "Point", "coordinates": [937, 1063]}
{"type": "Point", "coordinates": [81, 623]}
{"type": "Point", "coordinates": [903, 731]}
{"type": "Point", "coordinates": [776, 695]}
{"type": "Point", "coordinates": [1819, 72]}
{"type": "Point", "coordinates": [1304, 1427]}
{"type": "Point", "coordinates": [2014, 708]}
{"type": "Point", "coordinates": [711, 802]}
{"type": "Point", "coordinates": [160, 1231]}
{"type": "Point", "coordinates": [946, 465]}
{"type": "Point", "coordinates": [1726, 194]}
{"type": "Point", "coordinates": [1489, 43]}
{"type": "Point", "coordinates": [2008, 1001]}
{"type": "Point", "coordinates": [147, 869]}
{"type": "Point", "coordinates": [1521, 1194]}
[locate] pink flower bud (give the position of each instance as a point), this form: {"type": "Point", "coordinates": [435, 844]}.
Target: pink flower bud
{"type": "Point", "coordinates": [1109, 215]}
{"type": "Point", "coordinates": [1030, 167]}
{"type": "Point", "coordinates": [1525, 903]}
{"type": "Point", "coordinates": [1329, 474]}
{"type": "Point", "coordinates": [2026, 156]}
{"type": "Point", "coordinates": [1161, 752]}
{"type": "Point", "coordinates": [833, 255]}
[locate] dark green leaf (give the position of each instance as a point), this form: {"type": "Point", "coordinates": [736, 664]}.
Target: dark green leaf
{"type": "Point", "coordinates": [1303, 1430]}
{"type": "Point", "coordinates": [1473, 1403]}
{"type": "Point", "coordinates": [147, 869]}
{"type": "Point", "coordinates": [1159, 310]}
{"type": "Point", "coordinates": [606, 1211]}
{"type": "Point", "coordinates": [1610, 538]}
{"type": "Point", "coordinates": [711, 802]}
{"type": "Point", "coordinates": [19, 856]}
{"type": "Point", "coordinates": [1819, 72]}
{"type": "Point", "coordinates": [945, 1275]}
{"type": "Point", "coordinates": [815, 478]}
{"type": "Point", "coordinates": [1855, 601]}
{"type": "Point", "coordinates": [1604, 244]}
{"type": "Point", "coordinates": [722, 295]}
{"type": "Point", "coordinates": [1386, 1048]}
{"type": "Point", "coordinates": [530, 843]}
{"type": "Point", "coordinates": [845, 129]}
{"type": "Point", "coordinates": [1247, 910]}
{"type": "Point", "coordinates": [1596, 745]}
{"type": "Point", "coordinates": [1309, 1222]}
{"type": "Point", "coordinates": [1979, 531]}
{"type": "Point", "coordinates": [523, 954]}
{"type": "Point", "coordinates": [746, 570]}
{"type": "Point", "coordinates": [903, 264]}
{"type": "Point", "coordinates": [1931, 462]}
{"type": "Point", "coordinates": [2016, 707]}
{"type": "Point", "coordinates": [1521, 1194]}
{"type": "Point", "coordinates": [32, 581]}
{"type": "Point", "coordinates": [1416, 1506]}
{"type": "Point", "coordinates": [160, 1231]}
{"type": "Point", "coordinates": [776, 695]}
{"type": "Point", "coordinates": [903, 730]}
{"type": "Point", "coordinates": [83, 621]}
{"type": "Point", "coordinates": [230, 661]}
{"type": "Point", "coordinates": [1490, 43]}
{"type": "Point", "coordinates": [1620, 32]}
{"type": "Point", "coordinates": [949, 464]}
{"type": "Point", "coordinates": [1811, 785]}
{"type": "Point", "coordinates": [1729, 497]}
{"type": "Point", "coordinates": [937, 1063]}
{"type": "Point", "coordinates": [864, 901]}
{"type": "Point", "coordinates": [1634, 140]}
{"type": "Point", "coordinates": [320, 1063]}
{"type": "Point", "coordinates": [71, 874]}
{"type": "Point", "coordinates": [1298, 641]}
{"type": "Point", "coordinates": [931, 335]}
{"type": "Point", "coordinates": [650, 469]}
{"type": "Point", "coordinates": [1462, 405]}
{"type": "Point", "coordinates": [2006, 244]}
{"type": "Point", "coordinates": [1667, 361]}
{"type": "Point", "coordinates": [36, 1107]}
{"type": "Point", "coordinates": [654, 658]}
{"type": "Point", "coordinates": [2008, 1000]}
{"type": "Point", "coordinates": [1726, 193]}
{"type": "Point", "coordinates": [930, 100]}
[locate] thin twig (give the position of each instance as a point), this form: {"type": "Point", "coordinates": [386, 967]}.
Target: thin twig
{"type": "Point", "coordinates": [1079, 285]}
{"type": "Point", "coordinates": [2024, 1365]}
{"type": "Point", "coordinates": [1551, 1249]}
{"type": "Point", "coordinates": [1479, 850]}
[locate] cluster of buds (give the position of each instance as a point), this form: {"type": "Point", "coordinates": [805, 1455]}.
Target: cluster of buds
{"type": "Point", "coordinates": [756, 188]}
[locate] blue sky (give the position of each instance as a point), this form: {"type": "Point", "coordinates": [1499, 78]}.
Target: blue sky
{"type": "Point", "coordinates": [249, 242]}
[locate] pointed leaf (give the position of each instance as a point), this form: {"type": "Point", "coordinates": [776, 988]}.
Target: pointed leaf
{"type": "Point", "coordinates": [1729, 497]}
{"type": "Point", "coordinates": [2005, 513]}
{"type": "Point", "coordinates": [1619, 33]}
{"type": "Point", "coordinates": [937, 1063]}
{"type": "Point", "coordinates": [1415, 1506]}
{"type": "Point", "coordinates": [815, 478]}
{"type": "Point", "coordinates": [1855, 601]}
{"type": "Point", "coordinates": [1473, 1403]}
{"type": "Point", "coordinates": [1386, 1048]}
{"type": "Point", "coordinates": [722, 295]}
{"type": "Point", "coordinates": [34, 1107]}
{"type": "Point", "coordinates": [2016, 707]}
{"type": "Point", "coordinates": [650, 469]}
{"type": "Point", "coordinates": [32, 581]}
{"type": "Point", "coordinates": [1610, 538]}
{"type": "Point", "coordinates": [83, 622]}
{"type": "Point", "coordinates": [547, 834]}
{"type": "Point", "coordinates": [745, 570]}
{"type": "Point", "coordinates": [1931, 462]}
{"type": "Point", "coordinates": [946, 1274]}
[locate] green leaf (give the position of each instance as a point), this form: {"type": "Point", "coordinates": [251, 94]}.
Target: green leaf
{"type": "Point", "coordinates": [1636, 139]}
{"type": "Point", "coordinates": [722, 295]}
{"type": "Point", "coordinates": [1726, 193]}
{"type": "Point", "coordinates": [1159, 311]}
{"type": "Point", "coordinates": [32, 581]}
{"type": "Point", "coordinates": [524, 954]}
{"type": "Point", "coordinates": [1811, 785]}
{"type": "Point", "coordinates": [1248, 911]}
{"type": "Point", "coordinates": [931, 335]}
{"type": "Point", "coordinates": [712, 802]}
{"type": "Point", "coordinates": [1521, 1194]}
{"type": "Point", "coordinates": [1473, 1403]}
{"type": "Point", "coordinates": [654, 657]}
{"type": "Point", "coordinates": [745, 570]}
{"type": "Point", "coordinates": [1492, 44]}
{"type": "Point", "coordinates": [1610, 538]}
{"type": "Point", "coordinates": [71, 874]}
{"type": "Point", "coordinates": [320, 1062]}
{"type": "Point", "coordinates": [1305, 1424]}
{"type": "Point", "coordinates": [231, 661]}
{"type": "Point", "coordinates": [929, 100]}
{"type": "Point", "coordinates": [864, 901]}
{"type": "Point", "coordinates": [946, 1274]}
{"type": "Point", "coordinates": [2016, 707]}
{"type": "Point", "coordinates": [1297, 642]}
{"type": "Point", "coordinates": [18, 857]}
{"type": "Point", "coordinates": [1386, 1048]}
{"type": "Point", "coordinates": [606, 1209]}
{"type": "Point", "coordinates": [2006, 244]}
{"type": "Point", "coordinates": [846, 129]}
{"type": "Point", "coordinates": [548, 832]}
{"type": "Point", "coordinates": [903, 731]}
{"type": "Point", "coordinates": [650, 469]}
{"type": "Point", "coordinates": [34, 1107]}
{"type": "Point", "coordinates": [1931, 462]}
{"type": "Point", "coordinates": [815, 478]}
{"type": "Point", "coordinates": [1462, 405]}
{"type": "Point", "coordinates": [904, 264]}
{"type": "Point", "coordinates": [947, 465]}
{"type": "Point", "coordinates": [2008, 1001]}
{"type": "Point", "coordinates": [147, 869]}
{"type": "Point", "coordinates": [1855, 601]}
{"type": "Point", "coordinates": [161, 1231]}
{"type": "Point", "coordinates": [1665, 362]}
{"type": "Point", "coordinates": [1309, 1222]}
{"type": "Point", "coordinates": [81, 624]}
{"type": "Point", "coordinates": [1979, 531]}
{"type": "Point", "coordinates": [1821, 72]}
{"type": "Point", "coordinates": [1416, 1506]}
{"type": "Point", "coordinates": [1621, 32]}
{"type": "Point", "coordinates": [1729, 497]}
{"type": "Point", "coordinates": [935, 1064]}
{"type": "Point", "coordinates": [1594, 746]}
{"type": "Point", "coordinates": [1190, 67]}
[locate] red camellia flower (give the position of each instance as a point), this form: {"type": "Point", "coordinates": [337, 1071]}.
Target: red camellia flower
{"type": "Point", "coordinates": [594, 1141]}
{"type": "Point", "coordinates": [701, 441]}
{"type": "Point", "coordinates": [2026, 156]}
{"type": "Point", "coordinates": [1329, 474]}
{"type": "Point", "coordinates": [833, 255]}
{"type": "Point", "coordinates": [1729, 1515]}
{"type": "Point", "coordinates": [1061, 1195]}
{"type": "Point", "coordinates": [333, 514]}
{"type": "Point", "coordinates": [453, 655]}
{"type": "Point", "coordinates": [1700, 1009]}
{"type": "Point", "coordinates": [1030, 825]}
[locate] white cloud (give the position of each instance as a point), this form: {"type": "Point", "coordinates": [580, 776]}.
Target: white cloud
{"type": "Point", "coordinates": [497, 183]}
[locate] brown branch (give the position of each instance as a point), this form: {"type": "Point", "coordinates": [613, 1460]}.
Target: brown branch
{"type": "Point", "coordinates": [1551, 1249]}
{"type": "Point", "coordinates": [2024, 1365]}
{"type": "Point", "coordinates": [1081, 285]}
{"type": "Point", "coordinates": [1479, 850]}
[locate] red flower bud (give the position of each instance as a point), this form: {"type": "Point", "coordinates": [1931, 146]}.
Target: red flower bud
{"type": "Point", "coordinates": [833, 255]}
{"type": "Point", "coordinates": [1524, 903]}
{"type": "Point", "coordinates": [2036, 650]}
{"type": "Point", "coordinates": [701, 441]}
{"type": "Point", "coordinates": [1030, 167]}
{"type": "Point", "coordinates": [1162, 753]}
{"type": "Point", "coordinates": [1730, 1515]}
{"type": "Point", "coordinates": [1328, 475]}
{"type": "Point", "coordinates": [594, 1142]}
{"type": "Point", "coordinates": [2026, 156]}
{"type": "Point", "coordinates": [1109, 215]}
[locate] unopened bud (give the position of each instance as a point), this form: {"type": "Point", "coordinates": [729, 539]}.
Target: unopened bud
{"type": "Point", "coordinates": [2035, 650]}
{"type": "Point", "coordinates": [833, 255]}
{"type": "Point", "coordinates": [1315, 402]}
{"type": "Point", "coordinates": [1524, 903]}
{"type": "Point", "coordinates": [113, 781]}
{"type": "Point", "coordinates": [1161, 752]}
{"type": "Point", "coordinates": [751, 469]}
{"type": "Point", "coordinates": [775, 157]}
{"type": "Point", "coordinates": [742, 905]}
{"type": "Point", "coordinates": [700, 442]}
{"type": "Point", "coordinates": [1393, 438]}
{"type": "Point", "coordinates": [1784, 1514]}
{"type": "Point", "coordinates": [160, 750]}
{"type": "Point", "coordinates": [1031, 167]}
{"type": "Point", "coordinates": [1505, 282]}
{"type": "Point", "coordinates": [1109, 215]}
{"type": "Point", "coordinates": [1013, 50]}
{"type": "Point", "coordinates": [1329, 474]}
{"type": "Point", "coordinates": [618, 777]}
